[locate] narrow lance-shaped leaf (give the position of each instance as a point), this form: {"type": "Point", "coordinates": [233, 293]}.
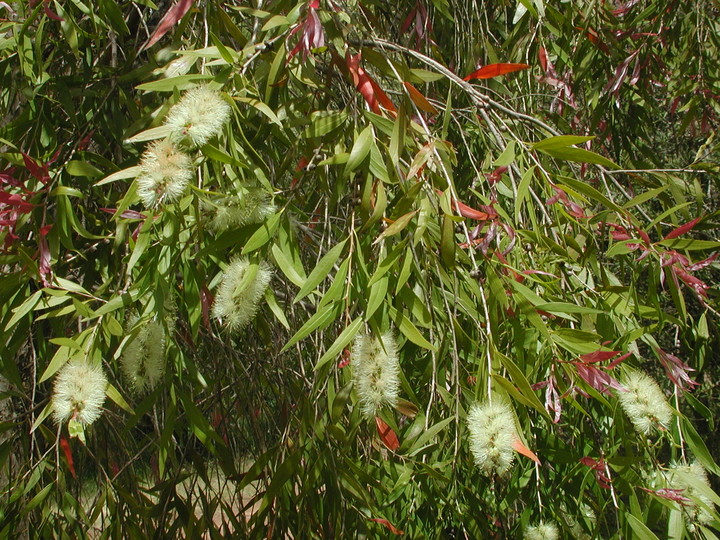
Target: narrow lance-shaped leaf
{"type": "Point", "coordinates": [494, 70]}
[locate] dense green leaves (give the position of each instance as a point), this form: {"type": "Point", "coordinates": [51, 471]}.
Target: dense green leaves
{"type": "Point", "coordinates": [527, 238]}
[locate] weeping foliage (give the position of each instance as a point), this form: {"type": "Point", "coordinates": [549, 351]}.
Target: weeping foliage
{"type": "Point", "coordinates": [337, 269]}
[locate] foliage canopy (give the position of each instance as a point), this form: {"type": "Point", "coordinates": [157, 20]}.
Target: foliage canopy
{"type": "Point", "coordinates": [359, 268]}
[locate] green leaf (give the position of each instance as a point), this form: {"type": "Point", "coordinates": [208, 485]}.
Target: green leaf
{"type": "Point", "coordinates": [409, 330]}
{"type": "Point", "coordinates": [115, 396]}
{"type": "Point", "coordinates": [321, 270]}
{"type": "Point", "coordinates": [262, 107]}
{"type": "Point", "coordinates": [59, 359]}
{"type": "Point", "coordinates": [324, 122]}
{"type": "Point", "coordinates": [397, 226]}
{"type": "Point", "coordinates": [286, 264]}
{"type": "Point", "coordinates": [428, 435]}
{"type": "Point", "coordinates": [581, 156]}
{"type": "Point", "coordinates": [182, 82]}
{"type": "Point", "coordinates": [37, 499]}
{"type": "Point", "coordinates": [263, 235]}
{"type": "Point", "coordinates": [148, 135]}
{"type": "Point", "coordinates": [82, 168]}
{"type": "Point", "coordinates": [688, 244]}
{"type": "Point", "coordinates": [23, 309]}
{"type": "Point", "coordinates": [130, 172]}
{"type": "Point", "coordinates": [321, 319]}
{"type": "Point", "coordinates": [518, 377]}
{"type": "Point", "coordinates": [340, 343]}
{"type": "Point", "coordinates": [507, 157]}
{"type": "Point", "coordinates": [698, 446]}
{"type": "Point", "coordinates": [360, 150]}
{"type": "Point", "coordinates": [560, 141]}
{"type": "Point", "coordinates": [639, 528]}
{"type": "Point", "coordinates": [47, 411]}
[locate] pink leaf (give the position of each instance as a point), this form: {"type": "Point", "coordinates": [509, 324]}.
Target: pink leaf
{"type": "Point", "coordinates": [682, 229]}
{"type": "Point", "coordinates": [703, 263]}
{"type": "Point", "coordinates": [173, 15]}
{"type": "Point", "coordinates": [44, 251]}
{"type": "Point", "coordinates": [669, 494]}
{"type": "Point", "coordinates": [520, 448]}
{"type": "Point", "coordinates": [598, 356]}
{"type": "Point", "coordinates": [676, 370]}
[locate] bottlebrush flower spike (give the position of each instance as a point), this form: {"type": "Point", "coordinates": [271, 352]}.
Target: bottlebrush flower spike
{"type": "Point", "coordinates": [79, 393]}
{"type": "Point", "coordinates": [199, 115]}
{"type": "Point", "coordinates": [492, 435]}
{"type": "Point", "coordinates": [376, 372]}
{"type": "Point", "coordinates": [143, 360]}
{"type": "Point", "coordinates": [252, 206]}
{"type": "Point", "coordinates": [644, 403]}
{"type": "Point", "coordinates": [242, 287]}
{"type": "Point", "coordinates": [165, 174]}
{"type": "Point", "coordinates": [542, 531]}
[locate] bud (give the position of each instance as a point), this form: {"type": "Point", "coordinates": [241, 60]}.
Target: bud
{"type": "Point", "coordinates": [143, 360]}
{"type": "Point", "coordinates": [253, 206]}
{"type": "Point", "coordinates": [376, 372]}
{"type": "Point", "coordinates": [644, 403]}
{"type": "Point", "coordinates": [242, 287]}
{"type": "Point", "coordinates": [79, 393]}
{"type": "Point", "coordinates": [492, 434]}
{"type": "Point", "coordinates": [199, 115]}
{"type": "Point", "coordinates": [542, 531]}
{"type": "Point", "coordinates": [165, 173]}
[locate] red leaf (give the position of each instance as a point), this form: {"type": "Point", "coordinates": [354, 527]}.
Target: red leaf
{"type": "Point", "coordinates": [682, 229]}
{"type": "Point", "coordinates": [50, 13]}
{"type": "Point", "coordinates": [419, 99]}
{"type": "Point", "coordinates": [702, 264]}
{"type": "Point", "coordinates": [65, 445]}
{"type": "Point", "coordinates": [173, 15]}
{"type": "Point", "coordinates": [393, 529]}
{"type": "Point", "coordinates": [495, 70]}
{"type": "Point", "coordinates": [598, 356]}
{"type": "Point", "coordinates": [520, 448]}
{"type": "Point", "coordinates": [38, 171]}
{"type": "Point", "coordinates": [598, 465]}
{"type": "Point", "coordinates": [344, 359]}
{"type": "Point", "coordinates": [374, 95]}
{"type": "Point", "coordinates": [543, 57]}
{"type": "Point", "coordinates": [387, 435]}
{"type": "Point", "coordinates": [599, 380]}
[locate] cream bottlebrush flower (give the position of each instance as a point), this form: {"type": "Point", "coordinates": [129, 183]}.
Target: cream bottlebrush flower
{"type": "Point", "coordinates": [376, 371]}
{"type": "Point", "coordinates": [492, 434]}
{"type": "Point", "coordinates": [165, 174]}
{"type": "Point", "coordinates": [250, 207]}
{"type": "Point", "coordinates": [242, 287]}
{"type": "Point", "coordinates": [79, 393]}
{"type": "Point", "coordinates": [697, 473]}
{"type": "Point", "coordinates": [199, 115]}
{"type": "Point", "coordinates": [644, 403]}
{"type": "Point", "coordinates": [143, 360]}
{"type": "Point", "coordinates": [542, 531]}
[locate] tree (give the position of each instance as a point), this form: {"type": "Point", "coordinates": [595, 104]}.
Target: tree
{"type": "Point", "coordinates": [327, 268]}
